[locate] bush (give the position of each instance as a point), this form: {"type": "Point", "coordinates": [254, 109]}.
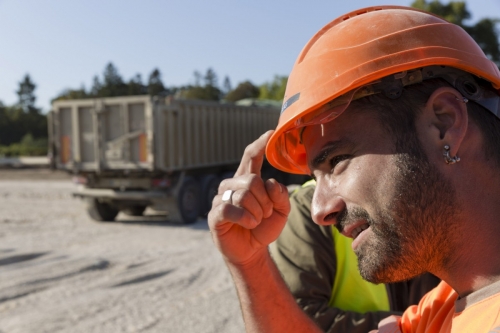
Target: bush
{"type": "Point", "coordinates": [27, 147]}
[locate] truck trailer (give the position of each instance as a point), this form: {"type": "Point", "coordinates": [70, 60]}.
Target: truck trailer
{"type": "Point", "coordinates": [133, 152]}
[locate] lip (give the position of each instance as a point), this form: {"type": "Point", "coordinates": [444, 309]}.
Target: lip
{"type": "Point", "coordinates": [348, 229]}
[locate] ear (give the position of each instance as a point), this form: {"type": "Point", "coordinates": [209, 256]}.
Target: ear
{"type": "Point", "coordinates": [446, 115]}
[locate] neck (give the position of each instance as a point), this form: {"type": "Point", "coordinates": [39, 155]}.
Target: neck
{"type": "Point", "coordinates": [474, 262]}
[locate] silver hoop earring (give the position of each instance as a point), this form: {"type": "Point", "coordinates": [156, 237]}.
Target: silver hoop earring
{"type": "Point", "coordinates": [447, 158]}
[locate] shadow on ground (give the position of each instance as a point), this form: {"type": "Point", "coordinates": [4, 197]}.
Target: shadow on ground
{"type": "Point", "coordinates": [159, 220]}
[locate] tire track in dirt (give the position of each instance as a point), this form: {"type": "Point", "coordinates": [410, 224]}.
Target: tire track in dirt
{"type": "Point", "coordinates": [62, 272]}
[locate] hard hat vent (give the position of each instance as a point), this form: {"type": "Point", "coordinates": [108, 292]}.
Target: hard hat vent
{"type": "Point", "coordinates": [468, 87]}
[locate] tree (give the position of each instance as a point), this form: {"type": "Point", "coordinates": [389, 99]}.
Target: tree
{"type": "Point", "coordinates": [243, 90]}
{"type": "Point", "coordinates": [96, 87]}
{"type": "Point", "coordinates": [485, 35]}
{"type": "Point", "coordinates": [483, 32]}
{"type": "Point", "coordinates": [155, 84]}
{"type": "Point", "coordinates": [226, 86]}
{"type": "Point", "coordinates": [68, 94]}
{"type": "Point", "coordinates": [210, 78]}
{"type": "Point", "coordinates": [113, 83]}
{"type": "Point", "coordinates": [274, 90]}
{"type": "Point", "coordinates": [197, 78]}
{"type": "Point", "coordinates": [209, 91]}
{"type": "Point", "coordinates": [26, 94]}
{"type": "Point", "coordinates": [135, 86]}
{"type": "Point", "coordinates": [111, 75]}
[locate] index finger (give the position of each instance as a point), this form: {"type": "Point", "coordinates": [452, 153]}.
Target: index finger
{"type": "Point", "coordinates": [253, 157]}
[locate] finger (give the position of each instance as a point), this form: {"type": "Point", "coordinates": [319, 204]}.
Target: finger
{"type": "Point", "coordinates": [222, 217]}
{"type": "Point", "coordinates": [278, 194]}
{"type": "Point", "coordinates": [243, 199]}
{"type": "Point", "coordinates": [253, 183]}
{"type": "Point", "coordinates": [276, 221]}
{"type": "Point", "coordinates": [253, 157]}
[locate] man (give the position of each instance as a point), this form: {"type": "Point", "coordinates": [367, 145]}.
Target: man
{"type": "Point", "coordinates": [319, 267]}
{"type": "Point", "coordinates": [394, 112]}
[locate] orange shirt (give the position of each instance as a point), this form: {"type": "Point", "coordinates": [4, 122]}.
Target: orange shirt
{"type": "Point", "coordinates": [439, 311]}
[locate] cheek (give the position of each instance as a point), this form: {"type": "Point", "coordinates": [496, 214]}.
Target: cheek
{"type": "Point", "coordinates": [370, 181]}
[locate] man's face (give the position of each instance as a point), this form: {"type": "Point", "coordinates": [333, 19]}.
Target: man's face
{"type": "Point", "coordinates": [384, 194]}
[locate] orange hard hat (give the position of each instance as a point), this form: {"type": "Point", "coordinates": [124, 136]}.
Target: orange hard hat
{"type": "Point", "coordinates": [360, 48]}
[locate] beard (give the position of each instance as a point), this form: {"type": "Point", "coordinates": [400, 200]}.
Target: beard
{"type": "Point", "coordinates": [413, 233]}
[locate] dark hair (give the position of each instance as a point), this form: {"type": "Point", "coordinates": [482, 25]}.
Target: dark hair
{"type": "Point", "coordinates": [399, 115]}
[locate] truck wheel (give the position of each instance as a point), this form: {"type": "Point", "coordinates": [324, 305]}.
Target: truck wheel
{"type": "Point", "coordinates": [209, 187]}
{"type": "Point", "coordinates": [134, 210]}
{"type": "Point", "coordinates": [101, 211]}
{"type": "Point", "coordinates": [189, 200]}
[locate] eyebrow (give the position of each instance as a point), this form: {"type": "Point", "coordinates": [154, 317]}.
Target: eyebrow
{"type": "Point", "coordinates": [329, 148]}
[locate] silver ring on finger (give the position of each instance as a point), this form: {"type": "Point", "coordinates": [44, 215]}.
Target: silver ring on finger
{"type": "Point", "coordinates": [227, 196]}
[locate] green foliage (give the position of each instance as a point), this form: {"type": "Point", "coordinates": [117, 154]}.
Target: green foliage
{"type": "Point", "coordinates": [454, 12]}
{"type": "Point", "coordinates": [485, 35]}
{"type": "Point", "coordinates": [135, 86]}
{"type": "Point", "coordinates": [23, 129]}
{"type": "Point", "coordinates": [112, 84]}
{"type": "Point", "coordinates": [484, 32]}
{"type": "Point", "coordinates": [199, 92]}
{"type": "Point", "coordinates": [28, 146]}
{"type": "Point", "coordinates": [226, 86]}
{"type": "Point", "coordinates": [155, 84]}
{"type": "Point", "coordinates": [209, 91]}
{"type": "Point", "coordinates": [210, 78]}
{"type": "Point", "coordinates": [15, 123]}
{"type": "Point", "coordinates": [26, 94]}
{"type": "Point", "coordinates": [243, 90]}
{"type": "Point", "coordinates": [274, 90]}
{"type": "Point", "coordinates": [72, 94]}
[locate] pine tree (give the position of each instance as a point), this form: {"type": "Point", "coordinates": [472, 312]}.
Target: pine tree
{"type": "Point", "coordinates": [26, 94]}
{"type": "Point", "coordinates": [135, 86]}
{"type": "Point", "coordinates": [155, 84]}
{"type": "Point", "coordinates": [113, 83]}
{"type": "Point", "coordinates": [226, 86]}
{"type": "Point", "coordinates": [96, 87]}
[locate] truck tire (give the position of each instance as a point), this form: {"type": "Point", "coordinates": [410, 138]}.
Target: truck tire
{"type": "Point", "coordinates": [134, 210]}
{"type": "Point", "coordinates": [189, 200]}
{"type": "Point", "coordinates": [101, 211]}
{"type": "Point", "coordinates": [209, 187]}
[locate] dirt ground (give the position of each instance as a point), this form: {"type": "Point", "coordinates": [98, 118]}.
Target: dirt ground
{"type": "Point", "coordinates": [62, 272]}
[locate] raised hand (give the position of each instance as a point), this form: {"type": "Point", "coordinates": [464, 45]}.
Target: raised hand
{"type": "Point", "coordinates": [253, 212]}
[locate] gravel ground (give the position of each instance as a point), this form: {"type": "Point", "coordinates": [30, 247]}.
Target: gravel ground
{"type": "Point", "coordinates": [62, 272]}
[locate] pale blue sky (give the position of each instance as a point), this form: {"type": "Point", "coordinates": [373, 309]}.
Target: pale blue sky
{"type": "Point", "coordinates": [64, 43]}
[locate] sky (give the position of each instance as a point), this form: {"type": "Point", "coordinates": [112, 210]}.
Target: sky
{"type": "Point", "coordinates": [64, 44]}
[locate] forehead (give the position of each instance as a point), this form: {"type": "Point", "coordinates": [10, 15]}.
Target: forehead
{"type": "Point", "coordinates": [355, 126]}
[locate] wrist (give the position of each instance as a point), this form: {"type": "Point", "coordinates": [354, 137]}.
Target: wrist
{"type": "Point", "coordinates": [260, 259]}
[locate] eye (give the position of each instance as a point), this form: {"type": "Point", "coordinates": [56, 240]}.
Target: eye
{"type": "Point", "coordinates": [336, 160]}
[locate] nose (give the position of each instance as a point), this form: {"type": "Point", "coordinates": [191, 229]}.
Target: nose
{"type": "Point", "coordinates": [326, 205]}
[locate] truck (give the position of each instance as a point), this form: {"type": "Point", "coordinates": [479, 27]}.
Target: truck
{"type": "Point", "coordinates": [133, 152]}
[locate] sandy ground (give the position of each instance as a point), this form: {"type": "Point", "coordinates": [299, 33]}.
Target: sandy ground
{"type": "Point", "coordinates": [62, 272]}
